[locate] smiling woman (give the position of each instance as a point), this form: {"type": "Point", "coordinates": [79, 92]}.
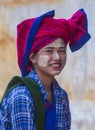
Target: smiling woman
{"type": "Point", "coordinates": [43, 41]}
{"type": "Point", "coordinates": [51, 59]}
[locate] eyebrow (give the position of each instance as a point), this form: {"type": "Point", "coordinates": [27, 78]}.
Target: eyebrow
{"type": "Point", "coordinates": [56, 47]}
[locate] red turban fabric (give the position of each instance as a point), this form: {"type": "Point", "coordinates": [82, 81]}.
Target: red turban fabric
{"type": "Point", "coordinates": [35, 33]}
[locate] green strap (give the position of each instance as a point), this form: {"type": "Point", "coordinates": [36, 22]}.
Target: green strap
{"type": "Point", "coordinates": [37, 97]}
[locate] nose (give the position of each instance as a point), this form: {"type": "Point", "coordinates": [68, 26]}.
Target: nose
{"type": "Point", "coordinates": [56, 56]}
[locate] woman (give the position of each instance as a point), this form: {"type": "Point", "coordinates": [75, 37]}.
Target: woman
{"type": "Point", "coordinates": [41, 48]}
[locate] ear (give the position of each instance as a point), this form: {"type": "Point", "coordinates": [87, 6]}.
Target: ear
{"type": "Point", "coordinates": [32, 58]}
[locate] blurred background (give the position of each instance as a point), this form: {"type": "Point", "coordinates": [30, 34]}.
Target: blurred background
{"type": "Point", "coordinates": [78, 76]}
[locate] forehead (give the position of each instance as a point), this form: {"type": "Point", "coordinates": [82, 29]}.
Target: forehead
{"type": "Point", "coordinates": [57, 43]}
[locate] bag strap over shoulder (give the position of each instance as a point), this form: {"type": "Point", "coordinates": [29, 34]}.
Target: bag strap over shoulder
{"type": "Point", "coordinates": [36, 94]}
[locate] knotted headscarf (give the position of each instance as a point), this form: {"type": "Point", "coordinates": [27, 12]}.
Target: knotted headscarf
{"type": "Point", "coordinates": [35, 33]}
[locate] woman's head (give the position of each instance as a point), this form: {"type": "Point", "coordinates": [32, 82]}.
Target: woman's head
{"type": "Point", "coordinates": [36, 33]}
{"type": "Point", "coordinates": [51, 59]}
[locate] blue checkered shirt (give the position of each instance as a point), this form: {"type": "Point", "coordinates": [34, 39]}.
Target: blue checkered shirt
{"type": "Point", "coordinates": [17, 109]}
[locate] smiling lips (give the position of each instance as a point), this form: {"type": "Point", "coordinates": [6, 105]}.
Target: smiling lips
{"type": "Point", "coordinates": [56, 65]}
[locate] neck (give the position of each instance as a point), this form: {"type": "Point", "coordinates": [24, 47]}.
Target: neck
{"type": "Point", "coordinates": [47, 83]}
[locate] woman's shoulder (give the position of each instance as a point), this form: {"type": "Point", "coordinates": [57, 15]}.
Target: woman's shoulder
{"type": "Point", "coordinates": [19, 92]}
{"type": "Point", "coordinates": [60, 89]}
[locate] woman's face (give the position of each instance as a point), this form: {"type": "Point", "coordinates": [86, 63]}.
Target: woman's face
{"type": "Point", "coordinates": [51, 59]}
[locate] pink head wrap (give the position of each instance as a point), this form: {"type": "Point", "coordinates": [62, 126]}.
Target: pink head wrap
{"type": "Point", "coordinates": [35, 33]}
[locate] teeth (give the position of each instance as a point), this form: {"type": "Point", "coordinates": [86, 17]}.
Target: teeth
{"type": "Point", "coordinates": [56, 65]}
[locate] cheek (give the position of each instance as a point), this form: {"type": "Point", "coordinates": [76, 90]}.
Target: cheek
{"type": "Point", "coordinates": [43, 60]}
{"type": "Point", "coordinates": [64, 59]}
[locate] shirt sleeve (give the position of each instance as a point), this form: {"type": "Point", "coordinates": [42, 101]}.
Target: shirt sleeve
{"type": "Point", "coordinates": [22, 112]}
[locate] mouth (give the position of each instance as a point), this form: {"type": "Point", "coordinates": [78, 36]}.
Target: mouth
{"type": "Point", "coordinates": [56, 66]}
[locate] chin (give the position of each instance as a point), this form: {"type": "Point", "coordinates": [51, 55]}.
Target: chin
{"type": "Point", "coordinates": [55, 73]}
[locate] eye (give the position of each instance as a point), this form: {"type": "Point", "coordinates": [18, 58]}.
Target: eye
{"type": "Point", "coordinates": [49, 51]}
{"type": "Point", "coordinates": [62, 51]}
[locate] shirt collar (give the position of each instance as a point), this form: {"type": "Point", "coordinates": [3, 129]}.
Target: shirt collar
{"type": "Point", "coordinates": [55, 85]}
{"type": "Point", "coordinates": [35, 77]}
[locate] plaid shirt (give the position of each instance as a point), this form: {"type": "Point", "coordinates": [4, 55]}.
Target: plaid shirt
{"type": "Point", "coordinates": [17, 109]}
